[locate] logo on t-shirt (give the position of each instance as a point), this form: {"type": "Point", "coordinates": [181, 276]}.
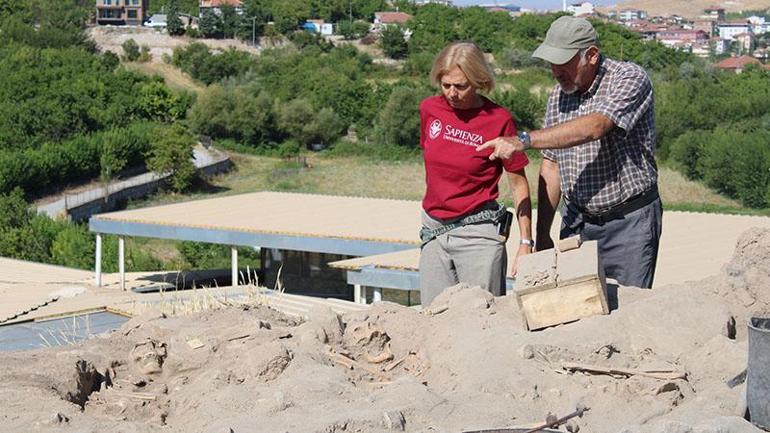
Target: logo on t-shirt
{"type": "Point", "coordinates": [462, 136]}
{"type": "Point", "coordinates": [435, 128]}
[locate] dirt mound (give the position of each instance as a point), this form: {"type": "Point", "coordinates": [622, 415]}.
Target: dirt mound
{"type": "Point", "coordinates": [462, 363]}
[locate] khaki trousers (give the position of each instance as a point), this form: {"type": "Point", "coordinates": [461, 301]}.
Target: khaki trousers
{"type": "Point", "coordinates": [473, 254]}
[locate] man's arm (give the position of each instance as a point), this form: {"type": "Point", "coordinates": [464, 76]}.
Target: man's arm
{"type": "Point", "coordinates": [548, 196]}
{"type": "Point", "coordinates": [572, 133]}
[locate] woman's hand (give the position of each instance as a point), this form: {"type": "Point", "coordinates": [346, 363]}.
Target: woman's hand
{"type": "Point", "coordinates": [522, 251]}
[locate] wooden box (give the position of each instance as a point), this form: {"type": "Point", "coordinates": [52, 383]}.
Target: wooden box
{"type": "Point", "coordinates": [558, 287]}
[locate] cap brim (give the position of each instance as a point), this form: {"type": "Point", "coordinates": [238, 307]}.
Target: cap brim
{"type": "Point", "coordinates": [553, 55]}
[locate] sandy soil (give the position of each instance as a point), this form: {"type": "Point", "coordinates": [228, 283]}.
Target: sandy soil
{"type": "Point", "coordinates": [463, 363]}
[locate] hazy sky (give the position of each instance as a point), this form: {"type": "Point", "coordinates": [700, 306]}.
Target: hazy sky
{"type": "Point", "coordinates": [532, 4]}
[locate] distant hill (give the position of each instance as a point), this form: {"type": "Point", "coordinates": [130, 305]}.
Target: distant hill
{"type": "Point", "coordinates": [686, 8]}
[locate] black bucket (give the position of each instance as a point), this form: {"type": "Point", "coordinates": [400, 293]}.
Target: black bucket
{"type": "Point", "coordinates": [758, 377]}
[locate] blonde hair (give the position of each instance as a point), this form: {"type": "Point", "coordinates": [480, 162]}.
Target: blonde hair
{"type": "Point", "coordinates": [470, 59]}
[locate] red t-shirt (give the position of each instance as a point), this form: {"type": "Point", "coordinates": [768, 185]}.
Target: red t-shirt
{"type": "Point", "coordinates": [459, 179]}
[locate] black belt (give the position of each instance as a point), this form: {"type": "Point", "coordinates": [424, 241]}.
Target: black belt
{"type": "Point", "coordinates": [623, 209]}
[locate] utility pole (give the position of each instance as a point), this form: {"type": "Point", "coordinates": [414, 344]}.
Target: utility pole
{"type": "Point", "coordinates": [350, 10]}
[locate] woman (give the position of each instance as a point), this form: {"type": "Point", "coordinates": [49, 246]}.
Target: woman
{"type": "Point", "coordinates": [464, 231]}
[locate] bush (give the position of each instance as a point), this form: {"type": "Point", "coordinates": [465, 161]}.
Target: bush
{"type": "Point", "coordinates": [526, 108]}
{"type": "Point", "coordinates": [352, 29]}
{"type": "Point", "coordinates": [130, 50]}
{"type": "Point", "coordinates": [398, 123]}
{"type": "Point", "coordinates": [738, 165]}
{"type": "Point", "coordinates": [686, 153]}
{"type": "Point", "coordinates": [74, 246]}
{"type": "Point", "coordinates": [192, 32]}
{"type": "Point", "coordinates": [145, 55]}
{"type": "Point", "coordinates": [300, 121]}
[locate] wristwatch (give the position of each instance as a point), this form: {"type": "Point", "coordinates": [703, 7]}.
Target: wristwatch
{"type": "Point", "coordinates": [523, 136]}
{"type": "Point", "coordinates": [529, 242]}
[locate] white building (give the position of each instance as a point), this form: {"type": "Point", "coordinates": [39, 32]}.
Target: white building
{"type": "Point", "coordinates": [632, 15]}
{"type": "Point", "coordinates": [759, 25]}
{"type": "Point", "coordinates": [319, 26]}
{"type": "Point", "coordinates": [581, 9]}
{"type": "Point", "coordinates": [731, 29]}
{"type": "Point", "coordinates": [441, 2]}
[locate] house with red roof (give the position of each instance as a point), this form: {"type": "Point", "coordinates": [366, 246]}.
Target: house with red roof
{"type": "Point", "coordinates": [738, 64]}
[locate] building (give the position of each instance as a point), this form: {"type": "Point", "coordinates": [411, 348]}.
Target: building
{"type": "Point", "coordinates": [319, 26]}
{"type": "Point", "coordinates": [719, 45]}
{"type": "Point", "coordinates": [121, 12]}
{"type": "Point", "coordinates": [708, 26]}
{"type": "Point", "coordinates": [384, 19]}
{"type": "Point", "coordinates": [581, 9]}
{"type": "Point", "coordinates": [632, 15]}
{"type": "Point", "coordinates": [440, 2]}
{"type": "Point", "coordinates": [216, 6]}
{"type": "Point", "coordinates": [715, 13]}
{"type": "Point", "coordinates": [647, 30]}
{"type": "Point", "coordinates": [745, 42]}
{"type": "Point", "coordinates": [682, 38]}
{"type": "Point", "coordinates": [729, 30]}
{"type": "Point", "coordinates": [759, 25]}
{"type": "Point", "coordinates": [737, 64]}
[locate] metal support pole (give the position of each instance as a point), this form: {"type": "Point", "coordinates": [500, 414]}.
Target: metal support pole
{"type": "Point", "coordinates": [122, 262]}
{"type": "Point", "coordinates": [358, 291]}
{"type": "Point", "coordinates": [234, 260]}
{"type": "Point", "coordinates": [98, 260]}
{"type": "Point", "coordinates": [377, 294]}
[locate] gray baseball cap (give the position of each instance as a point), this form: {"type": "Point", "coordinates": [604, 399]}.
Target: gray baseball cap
{"type": "Point", "coordinates": [566, 36]}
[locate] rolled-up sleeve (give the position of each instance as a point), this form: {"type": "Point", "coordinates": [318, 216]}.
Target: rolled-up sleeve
{"type": "Point", "coordinates": [628, 100]}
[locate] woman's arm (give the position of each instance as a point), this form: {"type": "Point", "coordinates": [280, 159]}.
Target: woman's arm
{"type": "Point", "coordinates": [523, 204]}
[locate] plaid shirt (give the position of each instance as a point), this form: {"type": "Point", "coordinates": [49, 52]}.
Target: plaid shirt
{"type": "Point", "coordinates": [601, 174]}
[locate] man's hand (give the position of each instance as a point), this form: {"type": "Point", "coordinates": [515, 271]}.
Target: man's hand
{"type": "Point", "coordinates": [522, 251]}
{"type": "Point", "coordinates": [503, 147]}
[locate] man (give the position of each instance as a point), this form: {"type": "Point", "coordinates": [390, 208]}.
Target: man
{"type": "Point", "coordinates": [598, 146]}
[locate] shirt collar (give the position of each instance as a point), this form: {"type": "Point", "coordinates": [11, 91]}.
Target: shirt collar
{"type": "Point", "coordinates": [601, 70]}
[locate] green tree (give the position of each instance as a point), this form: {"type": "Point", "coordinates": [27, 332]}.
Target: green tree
{"type": "Point", "coordinates": [171, 152]}
{"type": "Point", "coordinates": [210, 24]}
{"type": "Point", "coordinates": [399, 121]}
{"type": "Point", "coordinates": [174, 25]}
{"type": "Point", "coordinates": [111, 158]}
{"type": "Point", "coordinates": [393, 42]}
{"type": "Point", "coordinates": [352, 29]}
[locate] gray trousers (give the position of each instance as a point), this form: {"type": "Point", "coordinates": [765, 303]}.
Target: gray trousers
{"type": "Point", "coordinates": [473, 254]}
{"type": "Point", "coordinates": [628, 246]}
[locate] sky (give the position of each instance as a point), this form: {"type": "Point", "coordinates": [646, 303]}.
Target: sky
{"type": "Point", "coordinates": [532, 4]}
